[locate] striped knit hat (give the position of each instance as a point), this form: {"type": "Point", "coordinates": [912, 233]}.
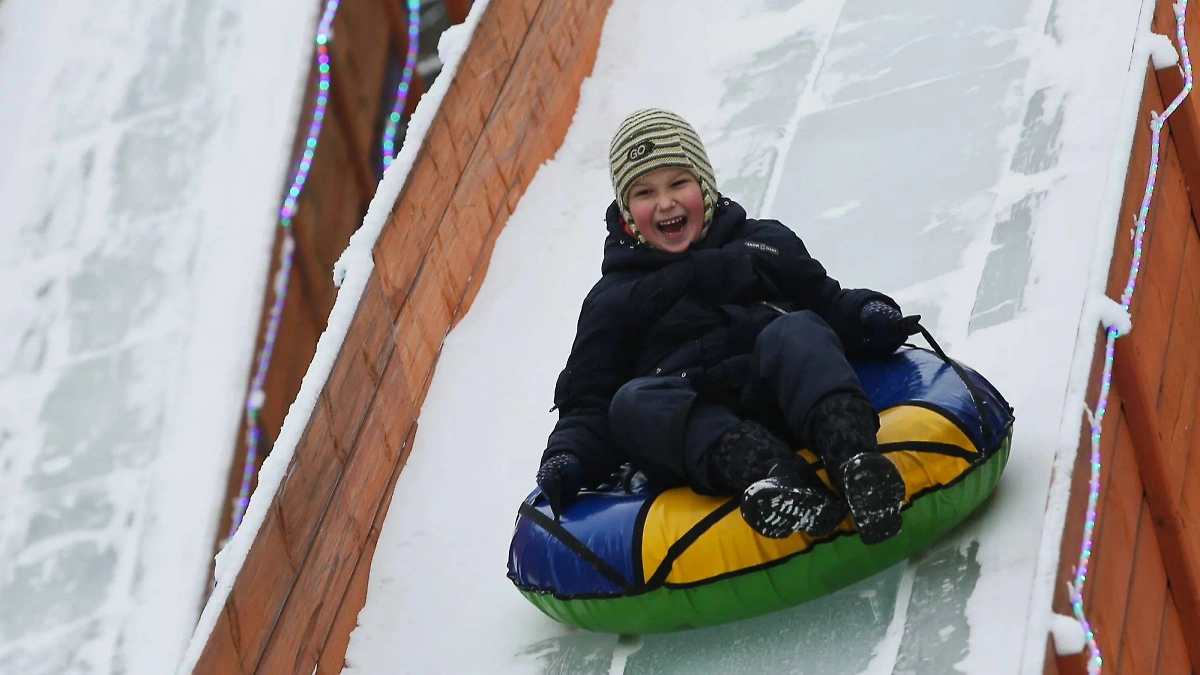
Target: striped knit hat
{"type": "Point", "coordinates": [653, 138]}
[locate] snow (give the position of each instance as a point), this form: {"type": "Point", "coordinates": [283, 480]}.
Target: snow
{"type": "Point", "coordinates": [1069, 636]}
{"type": "Point", "coordinates": [1113, 315]}
{"type": "Point", "coordinates": [146, 142]}
{"type": "Point", "coordinates": [453, 42]}
{"type": "Point", "coordinates": [1162, 51]}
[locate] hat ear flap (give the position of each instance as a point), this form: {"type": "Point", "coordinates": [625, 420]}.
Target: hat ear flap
{"type": "Point", "coordinates": [626, 221]}
{"type": "Point", "coordinates": [710, 204]}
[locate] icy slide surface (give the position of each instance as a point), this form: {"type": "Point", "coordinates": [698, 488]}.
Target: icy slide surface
{"type": "Point", "coordinates": [945, 152]}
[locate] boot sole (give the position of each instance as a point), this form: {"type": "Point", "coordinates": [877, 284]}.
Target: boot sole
{"type": "Point", "coordinates": [777, 511]}
{"type": "Point", "coordinates": [875, 491]}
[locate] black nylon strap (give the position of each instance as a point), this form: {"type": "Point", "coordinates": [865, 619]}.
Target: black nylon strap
{"type": "Point", "coordinates": [556, 530]}
{"type": "Point", "coordinates": [976, 397]}
{"type": "Point", "coordinates": [934, 447]}
{"type": "Point", "coordinates": [677, 549]}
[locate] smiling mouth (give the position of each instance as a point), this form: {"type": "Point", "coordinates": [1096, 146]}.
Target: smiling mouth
{"type": "Point", "coordinates": [672, 227]}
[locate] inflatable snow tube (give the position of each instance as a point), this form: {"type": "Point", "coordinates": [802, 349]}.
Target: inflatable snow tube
{"type": "Point", "coordinates": [639, 560]}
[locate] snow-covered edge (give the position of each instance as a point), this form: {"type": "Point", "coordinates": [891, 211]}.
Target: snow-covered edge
{"type": "Point", "coordinates": [351, 273]}
{"type": "Point", "coordinates": [1068, 633]}
{"type": "Point", "coordinates": [1085, 347]}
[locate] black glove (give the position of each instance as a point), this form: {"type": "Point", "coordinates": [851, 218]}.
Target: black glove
{"type": "Point", "coordinates": [560, 478]}
{"type": "Point", "coordinates": [885, 327]}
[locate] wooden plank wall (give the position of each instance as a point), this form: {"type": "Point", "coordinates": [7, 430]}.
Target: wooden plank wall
{"type": "Point", "coordinates": [340, 185]}
{"type": "Point", "coordinates": [296, 598]}
{"type": "Point", "coordinates": [1143, 593]}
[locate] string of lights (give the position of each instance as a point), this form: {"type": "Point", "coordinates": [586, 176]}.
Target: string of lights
{"type": "Point", "coordinates": [1095, 660]}
{"type": "Point", "coordinates": [257, 395]}
{"type": "Point", "coordinates": [410, 65]}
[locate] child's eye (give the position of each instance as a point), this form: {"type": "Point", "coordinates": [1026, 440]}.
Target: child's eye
{"type": "Point", "coordinates": [680, 183]}
{"type": "Point", "coordinates": [640, 193]}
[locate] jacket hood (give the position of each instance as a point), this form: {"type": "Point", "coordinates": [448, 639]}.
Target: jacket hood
{"type": "Point", "coordinates": [622, 251]}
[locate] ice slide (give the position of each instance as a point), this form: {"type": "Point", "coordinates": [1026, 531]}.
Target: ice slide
{"type": "Point", "coordinates": [955, 155]}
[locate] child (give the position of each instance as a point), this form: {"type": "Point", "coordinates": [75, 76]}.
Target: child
{"type": "Point", "coordinates": [708, 338]}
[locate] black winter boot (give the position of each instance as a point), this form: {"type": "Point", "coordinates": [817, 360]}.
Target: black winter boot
{"type": "Point", "coordinates": [781, 494]}
{"type": "Point", "coordinates": [842, 429]}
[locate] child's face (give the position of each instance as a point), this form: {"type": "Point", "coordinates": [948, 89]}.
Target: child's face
{"type": "Point", "coordinates": [667, 208]}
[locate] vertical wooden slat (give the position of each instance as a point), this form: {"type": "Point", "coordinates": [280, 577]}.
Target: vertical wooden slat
{"type": "Point", "coordinates": [1172, 646]}
{"type": "Point", "coordinates": [316, 296]}
{"type": "Point", "coordinates": [1112, 559]}
{"type": "Point", "coordinates": [1168, 518]}
{"type": "Point", "coordinates": [361, 63]}
{"type": "Point", "coordinates": [1185, 122]}
{"type": "Point", "coordinates": [360, 163]}
{"type": "Point", "coordinates": [1138, 650]}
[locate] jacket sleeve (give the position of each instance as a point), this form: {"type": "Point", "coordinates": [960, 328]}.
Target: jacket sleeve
{"type": "Point", "coordinates": [600, 362]}
{"type": "Point", "coordinates": [804, 281]}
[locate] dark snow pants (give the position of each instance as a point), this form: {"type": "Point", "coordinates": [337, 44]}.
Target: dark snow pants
{"type": "Point", "coordinates": [668, 429]}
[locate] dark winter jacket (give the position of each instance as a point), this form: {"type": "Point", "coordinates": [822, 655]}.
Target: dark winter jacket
{"type": "Point", "coordinates": [694, 312]}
